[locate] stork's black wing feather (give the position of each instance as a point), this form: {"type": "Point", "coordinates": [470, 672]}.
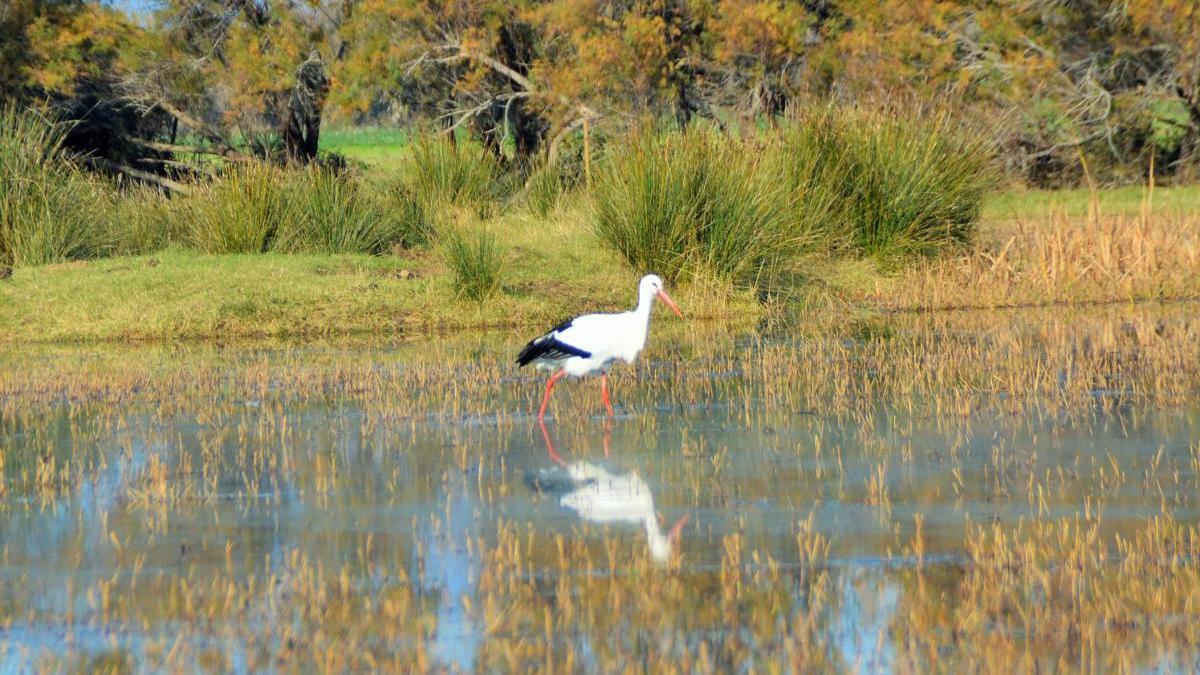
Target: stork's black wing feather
{"type": "Point", "coordinates": [550, 348]}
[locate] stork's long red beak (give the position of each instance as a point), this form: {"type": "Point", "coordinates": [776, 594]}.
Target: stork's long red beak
{"type": "Point", "coordinates": [662, 295]}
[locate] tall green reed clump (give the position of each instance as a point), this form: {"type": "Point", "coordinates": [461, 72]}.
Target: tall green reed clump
{"type": "Point", "coordinates": [901, 182]}
{"type": "Point", "coordinates": [242, 211]}
{"type": "Point", "coordinates": [693, 202]}
{"type": "Point", "coordinates": [142, 219]}
{"type": "Point", "coordinates": [333, 213]}
{"type": "Point", "coordinates": [544, 190]}
{"type": "Point", "coordinates": [476, 260]}
{"type": "Point", "coordinates": [441, 173]}
{"type": "Point", "coordinates": [50, 211]}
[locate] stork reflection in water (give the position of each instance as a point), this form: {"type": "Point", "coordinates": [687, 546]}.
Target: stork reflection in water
{"type": "Point", "coordinates": [600, 496]}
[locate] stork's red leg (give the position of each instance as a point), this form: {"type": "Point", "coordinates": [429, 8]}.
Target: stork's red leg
{"type": "Point", "coordinates": [604, 394]}
{"type": "Point", "coordinates": [546, 396]}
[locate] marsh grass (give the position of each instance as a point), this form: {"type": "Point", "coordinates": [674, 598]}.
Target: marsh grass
{"type": "Point", "coordinates": [257, 208]}
{"type": "Point", "coordinates": [880, 184]}
{"type": "Point", "coordinates": [898, 182]}
{"type": "Point", "coordinates": [1058, 260]}
{"type": "Point", "coordinates": [336, 214]}
{"type": "Point", "coordinates": [476, 261]}
{"type": "Point", "coordinates": [240, 212]}
{"type": "Point", "coordinates": [412, 220]}
{"type": "Point", "coordinates": [689, 202]}
{"type": "Point", "coordinates": [143, 220]}
{"type": "Point", "coordinates": [440, 173]}
{"type": "Point", "coordinates": [50, 211]}
{"type": "Point", "coordinates": [544, 190]}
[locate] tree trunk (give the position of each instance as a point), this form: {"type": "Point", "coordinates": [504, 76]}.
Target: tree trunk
{"type": "Point", "coordinates": [302, 121]}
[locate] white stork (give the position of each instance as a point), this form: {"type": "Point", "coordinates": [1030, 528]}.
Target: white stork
{"type": "Point", "coordinates": [590, 344]}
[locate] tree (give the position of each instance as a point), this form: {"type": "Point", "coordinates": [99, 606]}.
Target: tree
{"type": "Point", "coordinates": [67, 56]}
{"type": "Point", "coordinates": [1169, 30]}
{"type": "Point", "coordinates": [254, 68]}
{"type": "Point", "coordinates": [759, 48]}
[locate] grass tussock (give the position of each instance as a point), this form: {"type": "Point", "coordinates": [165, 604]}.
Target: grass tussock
{"type": "Point", "coordinates": [49, 210]}
{"type": "Point", "coordinates": [692, 202]}
{"type": "Point", "coordinates": [258, 208]}
{"type": "Point", "coordinates": [241, 212]}
{"type": "Point", "coordinates": [544, 190]}
{"type": "Point", "coordinates": [143, 220]}
{"type": "Point", "coordinates": [440, 173]}
{"type": "Point", "coordinates": [335, 214]}
{"type": "Point", "coordinates": [898, 183]}
{"type": "Point", "coordinates": [836, 180]}
{"type": "Point", "coordinates": [476, 260]}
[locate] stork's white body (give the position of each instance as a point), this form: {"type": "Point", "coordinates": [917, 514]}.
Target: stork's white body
{"type": "Point", "coordinates": [590, 344]}
{"type": "Point", "coordinates": [606, 337]}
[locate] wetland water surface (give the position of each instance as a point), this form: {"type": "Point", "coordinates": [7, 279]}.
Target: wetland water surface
{"type": "Point", "coordinates": [966, 491]}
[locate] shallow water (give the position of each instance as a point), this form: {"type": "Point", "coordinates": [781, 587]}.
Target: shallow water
{"type": "Point", "coordinates": [254, 486]}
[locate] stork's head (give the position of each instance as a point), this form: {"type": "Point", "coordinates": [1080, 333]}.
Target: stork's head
{"type": "Point", "coordinates": [650, 287]}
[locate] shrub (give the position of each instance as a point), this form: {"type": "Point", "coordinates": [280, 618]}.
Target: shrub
{"type": "Point", "coordinates": [50, 211]}
{"type": "Point", "coordinates": [684, 202]}
{"type": "Point", "coordinates": [332, 213]}
{"type": "Point", "coordinates": [476, 261]}
{"type": "Point", "coordinates": [240, 212]}
{"type": "Point", "coordinates": [901, 183]}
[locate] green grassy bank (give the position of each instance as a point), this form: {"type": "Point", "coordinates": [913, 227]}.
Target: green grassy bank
{"type": "Point", "coordinates": [180, 294]}
{"type": "Point", "coordinates": [826, 217]}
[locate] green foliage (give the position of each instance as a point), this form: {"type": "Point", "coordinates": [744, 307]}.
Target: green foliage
{"type": "Point", "coordinates": [411, 219]}
{"type": "Point", "coordinates": [241, 212]}
{"type": "Point", "coordinates": [1168, 125]}
{"type": "Point", "coordinates": [476, 260]}
{"type": "Point", "coordinates": [255, 208]}
{"type": "Point", "coordinates": [807, 159]}
{"type": "Point", "coordinates": [898, 183]}
{"type": "Point", "coordinates": [691, 202]}
{"type": "Point", "coordinates": [681, 203]}
{"type": "Point", "coordinates": [332, 214]}
{"type": "Point", "coordinates": [49, 210]}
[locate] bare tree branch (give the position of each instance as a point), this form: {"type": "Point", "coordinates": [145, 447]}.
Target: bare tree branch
{"type": "Point", "coordinates": [583, 114]}
{"type": "Point", "coordinates": [138, 174]}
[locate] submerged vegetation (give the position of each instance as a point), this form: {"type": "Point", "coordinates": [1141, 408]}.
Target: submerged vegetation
{"type": "Point", "coordinates": [917, 419]}
{"type": "Point", "coordinates": [857, 498]}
